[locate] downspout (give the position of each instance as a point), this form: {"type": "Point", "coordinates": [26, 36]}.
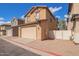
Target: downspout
{"type": "Point", "coordinates": [73, 28]}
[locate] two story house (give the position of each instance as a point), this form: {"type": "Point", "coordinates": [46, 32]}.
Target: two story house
{"type": "Point", "coordinates": [73, 21]}
{"type": "Point", "coordinates": [38, 22]}
{"type": "Point", "coordinates": [3, 28]}
{"type": "Point", "coordinates": [15, 23]}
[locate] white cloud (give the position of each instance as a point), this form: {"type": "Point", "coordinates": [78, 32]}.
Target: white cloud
{"type": "Point", "coordinates": [22, 17]}
{"type": "Point", "coordinates": [54, 9]}
{"type": "Point", "coordinates": [2, 21]}
{"type": "Point", "coordinates": [8, 22]}
{"type": "Point", "coordinates": [66, 16]}
{"type": "Point", "coordinates": [58, 17]}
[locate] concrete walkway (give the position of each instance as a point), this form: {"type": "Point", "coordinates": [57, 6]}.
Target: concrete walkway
{"type": "Point", "coordinates": [51, 47]}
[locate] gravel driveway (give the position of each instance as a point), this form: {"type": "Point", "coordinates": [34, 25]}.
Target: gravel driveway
{"type": "Point", "coordinates": [8, 49]}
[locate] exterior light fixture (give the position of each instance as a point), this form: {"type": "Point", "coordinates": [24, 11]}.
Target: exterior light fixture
{"type": "Point", "coordinates": [37, 15]}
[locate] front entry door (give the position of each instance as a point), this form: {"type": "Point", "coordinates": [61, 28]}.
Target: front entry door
{"type": "Point", "coordinates": [15, 31]}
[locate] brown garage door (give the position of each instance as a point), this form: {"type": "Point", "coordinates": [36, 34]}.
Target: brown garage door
{"type": "Point", "coordinates": [29, 32]}
{"type": "Point", "coordinates": [15, 31]}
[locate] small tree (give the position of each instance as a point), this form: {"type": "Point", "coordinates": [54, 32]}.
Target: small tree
{"type": "Point", "coordinates": [61, 25]}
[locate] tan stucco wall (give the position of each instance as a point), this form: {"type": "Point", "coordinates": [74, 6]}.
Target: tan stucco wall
{"type": "Point", "coordinates": [69, 25]}
{"type": "Point", "coordinates": [77, 27]}
{"type": "Point", "coordinates": [3, 30]}
{"type": "Point", "coordinates": [19, 31]}
{"type": "Point", "coordinates": [52, 24]}
{"type": "Point", "coordinates": [2, 27]}
{"type": "Point", "coordinates": [2, 33]}
{"type": "Point", "coordinates": [32, 16]}
{"type": "Point", "coordinates": [46, 26]}
{"type": "Point", "coordinates": [42, 30]}
{"type": "Point", "coordinates": [75, 8]}
{"type": "Point", "coordinates": [43, 27]}
{"type": "Point", "coordinates": [38, 32]}
{"type": "Point", "coordinates": [42, 13]}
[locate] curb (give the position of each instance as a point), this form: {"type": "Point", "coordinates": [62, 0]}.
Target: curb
{"type": "Point", "coordinates": [33, 49]}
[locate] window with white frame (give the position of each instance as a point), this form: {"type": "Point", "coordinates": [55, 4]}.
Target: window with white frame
{"type": "Point", "coordinates": [37, 15]}
{"type": "Point", "coordinates": [13, 23]}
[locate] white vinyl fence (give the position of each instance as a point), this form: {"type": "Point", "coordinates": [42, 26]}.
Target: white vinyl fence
{"type": "Point", "coordinates": [60, 34]}
{"type": "Point", "coordinates": [64, 35]}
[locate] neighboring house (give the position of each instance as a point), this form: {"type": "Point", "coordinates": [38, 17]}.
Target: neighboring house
{"type": "Point", "coordinates": [3, 28]}
{"type": "Point", "coordinates": [73, 22]}
{"type": "Point", "coordinates": [38, 22]}
{"type": "Point", "coordinates": [14, 26]}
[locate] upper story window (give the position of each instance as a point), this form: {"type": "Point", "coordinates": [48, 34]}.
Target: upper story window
{"type": "Point", "coordinates": [13, 23]}
{"type": "Point", "coordinates": [37, 15]}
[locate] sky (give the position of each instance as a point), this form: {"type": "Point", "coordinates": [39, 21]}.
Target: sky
{"type": "Point", "coordinates": [18, 10]}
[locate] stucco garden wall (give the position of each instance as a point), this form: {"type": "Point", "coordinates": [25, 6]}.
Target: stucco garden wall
{"type": "Point", "coordinates": [60, 34]}
{"type": "Point", "coordinates": [64, 35]}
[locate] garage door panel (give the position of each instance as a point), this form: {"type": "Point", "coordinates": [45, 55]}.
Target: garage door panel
{"type": "Point", "coordinates": [29, 32]}
{"type": "Point", "coordinates": [9, 32]}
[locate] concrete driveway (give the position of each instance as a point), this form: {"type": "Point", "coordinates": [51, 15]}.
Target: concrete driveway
{"type": "Point", "coordinates": [8, 49]}
{"type": "Point", "coordinates": [60, 47]}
